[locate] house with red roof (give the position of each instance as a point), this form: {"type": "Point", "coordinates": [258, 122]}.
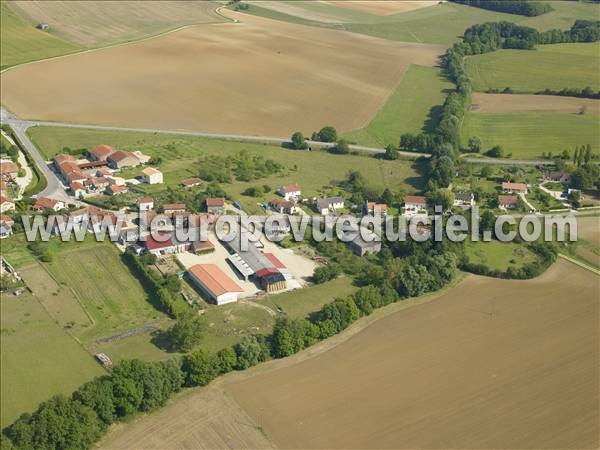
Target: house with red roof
{"type": "Point", "coordinates": [290, 191]}
{"type": "Point", "coordinates": [48, 204]}
{"type": "Point", "coordinates": [6, 204]}
{"type": "Point", "coordinates": [102, 152]}
{"type": "Point", "coordinates": [215, 205]}
{"type": "Point", "coordinates": [121, 159]}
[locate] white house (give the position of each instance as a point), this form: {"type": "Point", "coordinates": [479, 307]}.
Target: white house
{"type": "Point", "coordinates": [284, 206]}
{"type": "Point", "coordinates": [145, 203]}
{"type": "Point", "coordinates": [151, 175]}
{"type": "Point", "coordinates": [215, 283]}
{"type": "Point", "coordinates": [289, 192]}
{"type": "Point", "coordinates": [465, 199]}
{"type": "Point", "coordinates": [413, 204]}
{"type": "Point", "coordinates": [329, 204]}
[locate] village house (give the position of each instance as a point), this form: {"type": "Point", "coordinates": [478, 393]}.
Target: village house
{"type": "Point", "coordinates": [514, 188]}
{"type": "Point", "coordinates": [121, 159]}
{"type": "Point", "coordinates": [97, 222]}
{"type": "Point", "coordinates": [97, 183]}
{"type": "Point", "coordinates": [6, 204]}
{"type": "Point", "coordinates": [103, 172]}
{"type": "Point", "coordinates": [284, 206]}
{"type": "Point", "coordinates": [508, 201]}
{"type": "Point", "coordinates": [82, 214]}
{"type": "Point", "coordinates": [413, 204]}
{"type": "Point", "coordinates": [329, 204]}
{"type": "Point", "coordinates": [213, 282]}
{"type": "Point", "coordinates": [165, 244]}
{"type": "Point", "coordinates": [115, 189]}
{"type": "Point", "coordinates": [150, 175]}
{"type": "Point", "coordinates": [374, 207]}
{"type": "Point", "coordinates": [119, 181]}
{"type": "Point", "coordinates": [61, 158]}
{"type": "Point", "coordinates": [289, 192]}
{"type": "Point", "coordinates": [8, 170]}
{"type": "Point", "coordinates": [191, 182]}
{"type": "Point", "coordinates": [558, 177]}
{"type": "Point", "coordinates": [173, 208]}
{"type": "Point", "coordinates": [145, 203]}
{"type": "Point", "coordinates": [77, 189]}
{"type": "Point", "coordinates": [48, 204]}
{"type": "Point", "coordinates": [202, 247]}
{"type": "Point", "coordinates": [102, 152]}
{"type": "Point", "coordinates": [464, 199]}
{"type": "Point", "coordinates": [215, 205]}
{"type": "Point", "coordinates": [6, 224]}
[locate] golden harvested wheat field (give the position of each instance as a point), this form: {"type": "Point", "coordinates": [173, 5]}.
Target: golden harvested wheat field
{"type": "Point", "coordinates": [294, 78]}
{"type": "Point", "coordinates": [504, 103]}
{"type": "Point", "coordinates": [489, 364]}
{"type": "Point", "coordinates": [382, 7]}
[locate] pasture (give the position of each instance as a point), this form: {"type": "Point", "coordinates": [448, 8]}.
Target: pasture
{"type": "Point", "coordinates": [498, 255]}
{"type": "Point", "coordinates": [555, 67]}
{"type": "Point", "coordinates": [413, 107]}
{"type": "Point", "coordinates": [526, 135]}
{"type": "Point", "coordinates": [20, 42]}
{"type": "Point", "coordinates": [287, 85]}
{"type": "Point", "coordinates": [95, 24]}
{"type": "Point", "coordinates": [317, 172]}
{"type": "Point", "coordinates": [505, 103]}
{"type": "Point", "coordinates": [490, 364]}
{"type": "Point", "coordinates": [39, 358]}
{"type": "Point", "coordinates": [438, 24]}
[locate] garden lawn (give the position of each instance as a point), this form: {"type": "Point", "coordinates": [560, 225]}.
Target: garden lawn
{"type": "Point", "coordinates": [555, 67]}
{"type": "Point", "coordinates": [498, 255]}
{"type": "Point", "coordinates": [414, 106]}
{"type": "Point", "coordinates": [528, 135]}
{"type": "Point", "coordinates": [39, 358]}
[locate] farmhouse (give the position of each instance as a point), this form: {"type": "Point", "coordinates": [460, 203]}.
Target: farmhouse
{"type": "Point", "coordinates": [559, 177]}
{"type": "Point", "coordinates": [121, 158]}
{"type": "Point", "coordinates": [102, 152]}
{"type": "Point", "coordinates": [166, 244]}
{"type": "Point", "coordinates": [145, 203]}
{"type": "Point", "coordinates": [329, 204]}
{"type": "Point", "coordinates": [6, 204]}
{"type": "Point", "coordinates": [115, 189]}
{"type": "Point", "coordinates": [202, 247]}
{"type": "Point", "coordinates": [518, 188]}
{"type": "Point", "coordinates": [215, 205]}
{"type": "Point", "coordinates": [8, 170]}
{"type": "Point", "coordinates": [62, 158]}
{"type": "Point", "coordinates": [48, 204]}
{"type": "Point", "coordinates": [119, 181]}
{"type": "Point", "coordinates": [191, 182]}
{"type": "Point", "coordinates": [465, 199]}
{"type": "Point", "coordinates": [77, 189]}
{"type": "Point", "coordinates": [373, 207]}
{"type": "Point", "coordinates": [215, 283]}
{"type": "Point", "coordinates": [172, 208]}
{"type": "Point", "coordinates": [151, 175]}
{"type": "Point", "coordinates": [284, 206]}
{"type": "Point", "coordinates": [508, 201]}
{"type": "Point", "coordinates": [289, 192]}
{"type": "Point", "coordinates": [414, 204]}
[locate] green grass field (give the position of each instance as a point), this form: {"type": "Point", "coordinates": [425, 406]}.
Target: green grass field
{"type": "Point", "coordinates": [554, 67]}
{"type": "Point", "coordinates": [413, 107]}
{"type": "Point", "coordinates": [440, 24]}
{"type": "Point", "coordinates": [39, 359]}
{"type": "Point", "coordinates": [20, 42]}
{"type": "Point", "coordinates": [528, 135]}
{"type": "Point", "coordinates": [498, 255]}
{"type": "Point", "coordinates": [315, 171]}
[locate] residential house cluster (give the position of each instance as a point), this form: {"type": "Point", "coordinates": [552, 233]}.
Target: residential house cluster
{"type": "Point", "coordinates": [289, 203]}
{"type": "Point", "coordinates": [8, 173]}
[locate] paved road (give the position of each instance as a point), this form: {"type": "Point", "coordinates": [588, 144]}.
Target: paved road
{"type": "Point", "coordinates": [55, 188]}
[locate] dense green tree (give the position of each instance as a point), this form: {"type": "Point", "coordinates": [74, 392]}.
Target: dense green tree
{"type": "Point", "coordinates": [474, 144]}
{"type": "Point", "coordinates": [327, 134]}
{"type": "Point", "coordinates": [326, 273]}
{"type": "Point", "coordinates": [298, 141]}
{"type": "Point", "coordinates": [98, 395]}
{"type": "Point", "coordinates": [251, 351]}
{"type": "Point", "coordinates": [200, 368]}
{"type": "Point", "coordinates": [187, 332]}
{"type": "Point", "coordinates": [226, 360]}
{"type": "Point", "coordinates": [391, 153]}
{"type": "Point", "coordinates": [340, 148]}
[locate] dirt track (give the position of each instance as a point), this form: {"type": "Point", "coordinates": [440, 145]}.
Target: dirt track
{"type": "Point", "coordinates": [491, 364]}
{"type": "Point", "coordinates": [294, 78]}
{"type": "Point", "coordinates": [503, 103]}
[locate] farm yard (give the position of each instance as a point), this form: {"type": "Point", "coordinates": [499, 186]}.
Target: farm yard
{"type": "Point", "coordinates": [534, 71]}
{"type": "Point", "coordinates": [39, 358]}
{"type": "Point", "coordinates": [336, 90]}
{"type": "Point", "coordinates": [95, 24]}
{"type": "Point", "coordinates": [492, 341]}
{"type": "Point", "coordinates": [526, 135]}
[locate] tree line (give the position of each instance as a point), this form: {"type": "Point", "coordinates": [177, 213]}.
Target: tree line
{"type": "Point", "coordinates": [520, 7]}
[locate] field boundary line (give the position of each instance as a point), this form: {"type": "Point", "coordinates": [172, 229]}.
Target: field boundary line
{"type": "Point", "coordinates": [580, 264]}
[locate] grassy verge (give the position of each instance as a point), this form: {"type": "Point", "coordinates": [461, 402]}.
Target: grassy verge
{"type": "Point", "coordinates": [413, 107]}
